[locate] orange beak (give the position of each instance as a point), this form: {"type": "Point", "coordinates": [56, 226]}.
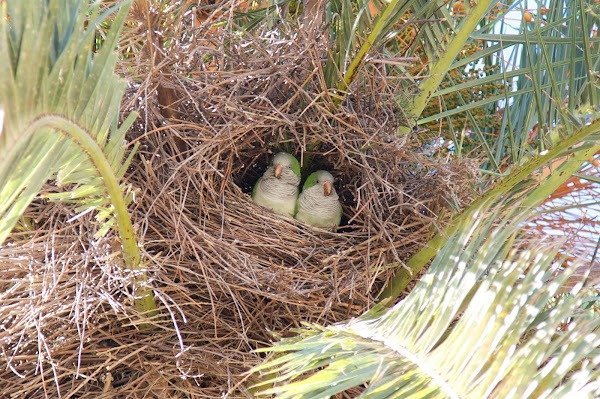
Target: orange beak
{"type": "Point", "coordinates": [327, 188]}
{"type": "Point", "coordinates": [278, 170]}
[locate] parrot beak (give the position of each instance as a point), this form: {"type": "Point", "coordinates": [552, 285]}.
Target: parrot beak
{"type": "Point", "coordinates": [278, 170]}
{"type": "Point", "coordinates": [327, 188]}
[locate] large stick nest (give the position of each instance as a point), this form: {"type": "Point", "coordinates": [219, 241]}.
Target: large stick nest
{"type": "Point", "coordinates": [227, 273]}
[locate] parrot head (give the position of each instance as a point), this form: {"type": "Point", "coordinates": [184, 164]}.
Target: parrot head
{"type": "Point", "coordinates": [283, 161]}
{"type": "Point", "coordinates": [321, 178]}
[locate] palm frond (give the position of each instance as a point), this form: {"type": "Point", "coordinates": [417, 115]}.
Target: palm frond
{"type": "Point", "coordinates": [479, 324]}
{"type": "Point", "coordinates": [579, 146]}
{"type": "Point", "coordinates": [350, 22]}
{"type": "Point", "coordinates": [548, 64]}
{"type": "Point", "coordinates": [64, 81]}
{"type": "Point", "coordinates": [61, 102]}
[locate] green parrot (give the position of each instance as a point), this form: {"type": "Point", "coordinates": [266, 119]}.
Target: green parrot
{"type": "Point", "coordinates": [277, 188]}
{"type": "Point", "coordinates": [318, 204]}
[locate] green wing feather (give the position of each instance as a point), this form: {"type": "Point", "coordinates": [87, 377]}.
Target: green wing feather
{"type": "Point", "coordinates": [297, 207]}
{"type": "Point", "coordinates": [296, 166]}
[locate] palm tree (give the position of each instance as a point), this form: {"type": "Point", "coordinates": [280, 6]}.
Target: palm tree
{"type": "Point", "coordinates": [60, 100]}
{"type": "Point", "coordinates": [59, 121]}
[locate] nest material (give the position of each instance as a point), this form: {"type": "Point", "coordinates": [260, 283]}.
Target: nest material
{"type": "Point", "coordinates": [228, 273]}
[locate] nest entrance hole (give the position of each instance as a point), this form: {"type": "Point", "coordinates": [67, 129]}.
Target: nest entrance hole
{"type": "Point", "coordinates": [253, 166]}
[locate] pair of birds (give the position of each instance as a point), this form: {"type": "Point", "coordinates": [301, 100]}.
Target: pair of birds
{"type": "Point", "coordinates": [277, 189]}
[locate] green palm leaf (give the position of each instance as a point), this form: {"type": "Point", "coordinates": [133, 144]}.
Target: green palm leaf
{"type": "Point", "coordinates": [477, 325]}
{"type": "Point", "coordinates": [550, 64]}
{"type": "Point", "coordinates": [55, 77]}
{"type": "Point", "coordinates": [581, 145]}
{"type": "Point", "coordinates": [61, 109]}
